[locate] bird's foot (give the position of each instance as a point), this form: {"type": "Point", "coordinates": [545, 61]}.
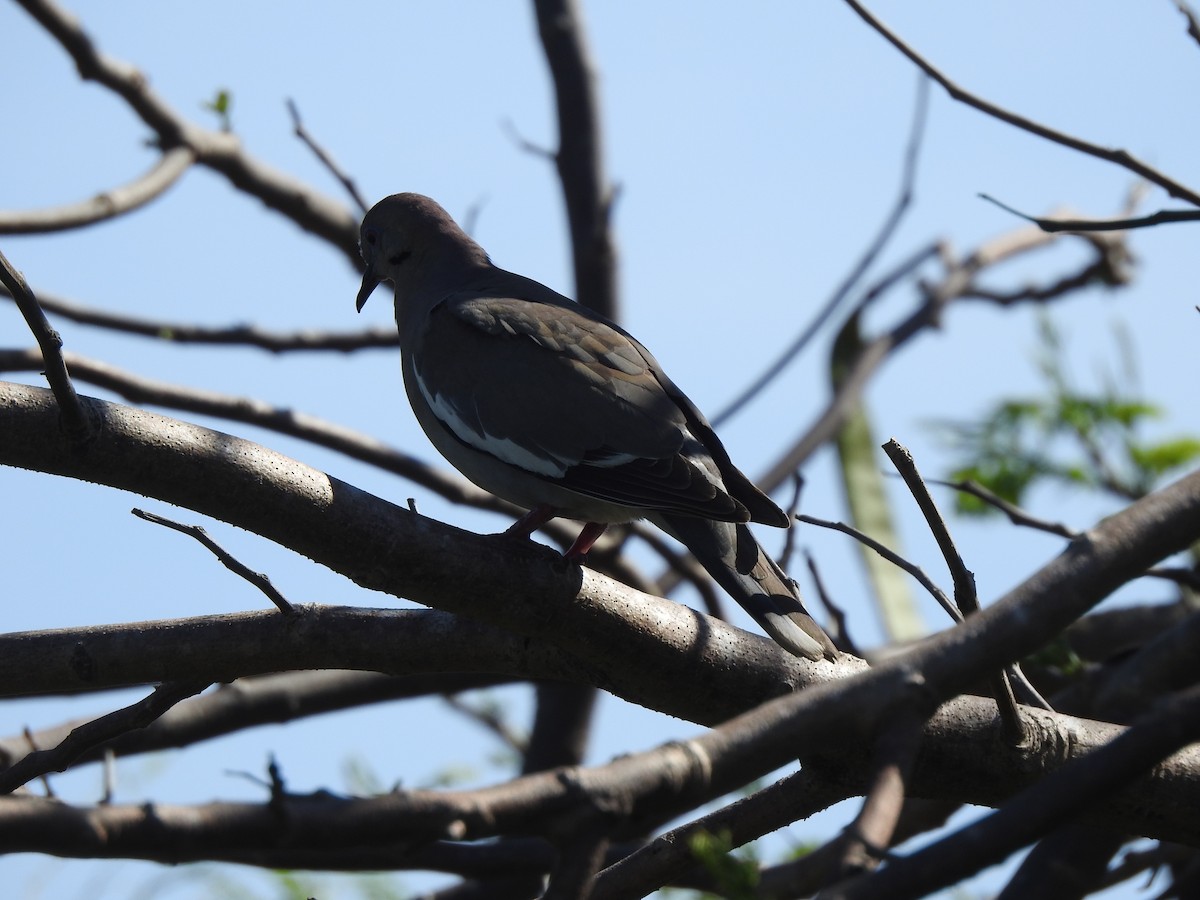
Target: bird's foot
{"type": "Point", "coordinates": [587, 537]}
{"type": "Point", "coordinates": [525, 526]}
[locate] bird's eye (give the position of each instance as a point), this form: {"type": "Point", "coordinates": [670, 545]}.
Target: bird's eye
{"type": "Point", "coordinates": [371, 236]}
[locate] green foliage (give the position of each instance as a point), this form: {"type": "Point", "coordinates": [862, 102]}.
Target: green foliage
{"type": "Point", "coordinates": [221, 105]}
{"type": "Point", "coordinates": [1067, 437]}
{"type": "Point", "coordinates": [736, 876]}
{"type": "Point", "coordinates": [1059, 657]}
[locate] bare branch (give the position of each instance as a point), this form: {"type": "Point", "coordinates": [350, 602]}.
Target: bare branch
{"type": "Point", "coordinates": [255, 412]}
{"type": "Point", "coordinates": [580, 158]}
{"type": "Point", "coordinates": [1174, 723]}
{"type": "Point", "coordinates": [258, 579]}
{"type": "Point", "coordinates": [888, 228]}
{"type": "Point", "coordinates": [323, 155]}
{"type": "Point", "coordinates": [88, 737]}
{"type": "Point", "coordinates": [869, 836]}
{"type": "Point", "coordinates": [957, 283]}
{"type": "Point", "coordinates": [1162, 217]}
{"type": "Point", "coordinates": [891, 556]}
{"type": "Point", "coordinates": [842, 639]}
{"type": "Point", "coordinates": [669, 855]}
{"type": "Point", "coordinates": [248, 335]}
{"type": "Point", "coordinates": [965, 595]}
{"type": "Point", "coordinates": [220, 151]}
{"type": "Point", "coordinates": [1117, 157]}
{"type": "Point", "coordinates": [1015, 514]}
{"type": "Point", "coordinates": [50, 355]}
{"type": "Point", "coordinates": [489, 718]}
{"type": "Point", "coordinates": [1193, 24]}
{"type": "Point", "coordinates": [249, 702]}
{"type": "Point", "coordinates": [603, 627]}
{"type": "Point", "coordinates": [107, 205]}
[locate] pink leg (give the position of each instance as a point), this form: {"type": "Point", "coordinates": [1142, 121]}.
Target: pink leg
{"type": "Point", "coordinates": [589, 535]}
{"type": "Point", "coordinates": [531, 521]}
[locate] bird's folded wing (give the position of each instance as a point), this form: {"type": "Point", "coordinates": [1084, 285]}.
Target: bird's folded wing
{"type": "Point", "coordinates": [569, 398]}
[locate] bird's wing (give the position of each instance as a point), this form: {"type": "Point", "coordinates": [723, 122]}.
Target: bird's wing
{"type": "Point", "coordinates": [566, 396]}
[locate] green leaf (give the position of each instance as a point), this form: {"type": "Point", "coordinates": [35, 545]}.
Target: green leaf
{"type": "Point", "coordinates": [222, 106]}
{"type": "Point", "coordinates": [736, 877]}
{"type": "Point", "coordinates": [1167, 455]}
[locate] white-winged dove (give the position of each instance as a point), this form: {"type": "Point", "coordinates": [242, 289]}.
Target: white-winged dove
{"type": "Point", "coordinates": [549, 405]}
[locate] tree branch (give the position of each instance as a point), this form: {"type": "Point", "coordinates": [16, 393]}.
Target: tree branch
{"type": "Point", "coordinates": [580, 157]}
{"type": "Point", "coordinates": [1118, 157]}
{"type": "Point", "coordinates": [106, 205]}
{"type": "Point", "coordinates": [246, 335]}
{"type": "Point", "coordinates": [50, 354]}
{"type": "Point", "coordinates": [220, 151]}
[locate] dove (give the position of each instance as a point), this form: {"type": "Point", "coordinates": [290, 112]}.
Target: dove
{"type": "Point", "coordinates": [549, 405]}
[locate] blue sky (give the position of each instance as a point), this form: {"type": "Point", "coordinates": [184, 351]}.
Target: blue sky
{"type": "Point", "coordinates": [756, 154]}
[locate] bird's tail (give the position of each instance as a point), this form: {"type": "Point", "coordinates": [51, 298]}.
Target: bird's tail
{"type": "Point", "coordinates": [731, 555]}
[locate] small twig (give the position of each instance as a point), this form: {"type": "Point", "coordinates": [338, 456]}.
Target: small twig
{"type": "Point", "coordinates": [489, 719]}
{"type": "Point", "coordinates": [1177, 574]}
{"type": "Point", "coordinates": [323, 155]}
{"type": "Point", "coordinates": [966, 596]}
{"type": "Point", "coordinates": [789, 536]}
{"type": "Point", "coordinates": [1162, 217]}
{"type": "Point", "coordinates": [75, 421]}
{"type": "Point", "coordinates": [86, 737]}
{"type": "Point", "coordinates": [957, 283]}
{"type": "Point", "coordinates": [901, 271]}
{"type": "Point", "coordinates": [33, 748]}
{"type": "Point", "coordinates": [470, 219]}
{"type": "Point", "coordinates": [1015, 514]}
{"type": "Point", "coordinates": [1117, 157]}
{"type": "Point", "coordinates": [258, 579]}
{"type": "Point", "coordinates": [524, 143]}
{"type": "Point", "coordinates": [1193, 24]}
{"type": "Point", "coordinates": [669, 855]}
{"type": "Point", "coordinates": [891, 556]}
{"type": "Point", "coordinates": [109, 776]}
{"type": "Point", "coordinates": [890, 224]}
{"type": "Point", "coordinates": [842, 638]}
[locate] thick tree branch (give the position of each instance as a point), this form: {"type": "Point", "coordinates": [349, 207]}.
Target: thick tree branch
{"type": "Point", "coordinates": [1173, 724]}
{"type": "Point", "coordinates": [530, 591]}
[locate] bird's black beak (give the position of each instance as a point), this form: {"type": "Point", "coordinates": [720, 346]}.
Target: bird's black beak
{"type": "Point", "coordinates": [369, 283]}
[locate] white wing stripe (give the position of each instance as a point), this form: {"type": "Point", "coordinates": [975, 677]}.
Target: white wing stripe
{"type": "Point", "coordinates": [505, 450]}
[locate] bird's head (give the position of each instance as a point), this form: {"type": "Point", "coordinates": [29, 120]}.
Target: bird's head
{"type": "Point", "coordinates": [412, 242]}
